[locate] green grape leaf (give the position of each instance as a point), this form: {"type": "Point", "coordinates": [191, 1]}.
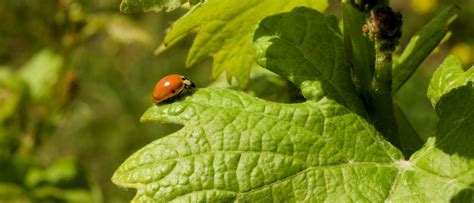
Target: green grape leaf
{"type": "Point", "coordinates": [134, 6]}
{"type": "Point", "coordinates": [450, 75]}
{"type": "Point", "coordinates": [235, 147]}
{"type": "Point", "coordinates": [225, 32]}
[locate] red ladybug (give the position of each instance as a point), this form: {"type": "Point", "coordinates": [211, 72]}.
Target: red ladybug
{"type": "Point", "coordinates": [170, 87]}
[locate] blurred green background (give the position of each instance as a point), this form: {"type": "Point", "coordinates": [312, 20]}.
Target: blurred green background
{"type": "Point", "coordinates": [75, 76]}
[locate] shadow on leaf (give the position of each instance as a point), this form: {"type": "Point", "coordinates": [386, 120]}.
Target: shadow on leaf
{"type": "Point", "coordinates": [466, 195]}
{"type": "Point", "coordinates": [307, 47]}
{"type": "Point", "coordinates": [456, 126]}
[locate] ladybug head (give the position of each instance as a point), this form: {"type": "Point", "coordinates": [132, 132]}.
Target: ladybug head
{"type": "Point", "coordinates": [187, 82]}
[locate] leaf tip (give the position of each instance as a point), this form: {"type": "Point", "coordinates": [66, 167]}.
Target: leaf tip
{"type": "Point", "coordinates": [117, 177]}
{"type": "Point", "coordinates": [143, 119]}
{"type": "Point", "coordinates": [162, 48]}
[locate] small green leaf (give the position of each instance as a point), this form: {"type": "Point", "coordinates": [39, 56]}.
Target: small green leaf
{"type": "Point", "coordinates": [41, 73]}
{"type": "Point", "coordinates": [61, 171]}
{"type": "Point", "coordinates": [421, 45]}
{"type": "Point", "coordinates": [225, 32]}
{"type": "Point", "coordinates": [450, 75]}
{"type": "Point", "coordinates": [134, 6]}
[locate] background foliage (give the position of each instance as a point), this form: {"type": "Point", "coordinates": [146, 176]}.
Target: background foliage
{"type": "Point", "coordinates": [76, 75]}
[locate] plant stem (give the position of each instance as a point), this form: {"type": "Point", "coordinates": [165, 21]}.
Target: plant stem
{"type": "Point", "coordinates": [382, 31]}
{"type": "Point", "coordinates": [359, 49]}
{"type": "Point", "coordinates": [381, 95]}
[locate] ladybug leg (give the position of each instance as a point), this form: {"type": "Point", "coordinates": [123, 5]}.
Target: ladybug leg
{"type": "Point", "coordinates": [189, 88]}
{"type": "Point", "coordinates": [178, 96]}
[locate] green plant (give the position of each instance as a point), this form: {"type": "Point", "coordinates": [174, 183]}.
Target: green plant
{"type": "Point", "coordinates": [347, 142]}
{"type": "Point", "coordinates": [42, 83]}
{"type": "Point", "coordinates": [27, 115]}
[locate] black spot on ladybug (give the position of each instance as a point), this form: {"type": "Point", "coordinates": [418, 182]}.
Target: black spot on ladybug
{"type": "Point", "coordinates": [173, 91]}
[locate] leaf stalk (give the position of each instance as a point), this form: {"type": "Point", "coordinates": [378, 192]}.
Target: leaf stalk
{"type": "Point", "coordinates": [381, 95]}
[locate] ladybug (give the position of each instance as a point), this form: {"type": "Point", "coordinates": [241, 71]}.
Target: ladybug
{"type": "Point", "coordinates": [171, 87]}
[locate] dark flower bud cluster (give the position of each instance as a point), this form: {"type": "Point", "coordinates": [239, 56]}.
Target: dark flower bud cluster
{"type": "Point", "coordinates": [384, 26]}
